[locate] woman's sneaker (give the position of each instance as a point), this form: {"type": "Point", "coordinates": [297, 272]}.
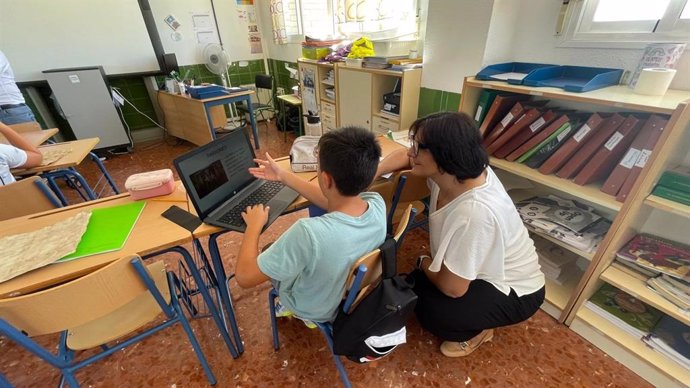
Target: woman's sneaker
{"type": "Point", "coordinates": [462, 349]}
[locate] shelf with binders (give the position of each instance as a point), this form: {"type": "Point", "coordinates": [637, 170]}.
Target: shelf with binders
{"type": "Point", "coordinates": [642, 213]}
{"type": "Point", "coordinates": [609, 101]}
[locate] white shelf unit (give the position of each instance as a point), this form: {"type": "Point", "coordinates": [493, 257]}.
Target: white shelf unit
{"type": "Point", "coordinates": [641, 212]}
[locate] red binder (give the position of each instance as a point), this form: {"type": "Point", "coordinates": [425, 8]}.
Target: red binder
{"type": "Point", "coordinates": [657, 123]}
{"type": "Point", "coordinates": [621, 171]}
{"type": "Point", "coordinates": [567, 150]}
{"type": "Point", "coordinates": [512, 116]}
{"type": "Point", "coordinates": [530, 116]}
{"type": "Point", "coordinates": [526, 133]}
{"type": "Point", "coordinates": [575, 163]}
{"type": "Point", "coordinates": [499, 108]}
{"type": "Point", "coordinates": [538, 138]}
{"type": "Point", "coordinates": [603, 161]}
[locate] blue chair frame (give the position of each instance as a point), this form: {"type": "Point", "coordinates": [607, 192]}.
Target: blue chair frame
{"type": "Point", "coordinates": [326, 328]}
{"type": "Point", "coordinates": [64, 360]}
{"type": "Point", "coordinates": [71, 175]}
{"type": "Point", "coordinates": [394, 205]}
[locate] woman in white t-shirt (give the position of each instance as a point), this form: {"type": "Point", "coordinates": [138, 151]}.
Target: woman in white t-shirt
{"type": "Point", "coordinates": [19, 153]}
{"type": "Point", "coordinates": [483, 272]}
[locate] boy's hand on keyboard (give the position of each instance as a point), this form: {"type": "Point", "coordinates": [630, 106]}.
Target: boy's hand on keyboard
{"type": "Point", "coordinates": [255, 217]}
{"type": "Point", "coordinates": [268, 169]}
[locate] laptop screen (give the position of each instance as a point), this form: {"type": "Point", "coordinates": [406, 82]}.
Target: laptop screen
{"type": "Point", "coordinates": [216, 171]}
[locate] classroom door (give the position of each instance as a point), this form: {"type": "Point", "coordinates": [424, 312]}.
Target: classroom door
{"type": "Point", "coordinates": [354, 98]}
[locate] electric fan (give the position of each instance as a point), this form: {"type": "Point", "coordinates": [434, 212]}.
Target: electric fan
{"type": "Point", "coordinates": [217, 61]}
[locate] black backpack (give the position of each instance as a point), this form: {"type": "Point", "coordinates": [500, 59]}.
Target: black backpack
{"type": "Point", "coordinates": [376, 326]}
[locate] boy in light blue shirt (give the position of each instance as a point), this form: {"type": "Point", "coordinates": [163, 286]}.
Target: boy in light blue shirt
{"type": "Point", "coordinates": [310, 262]}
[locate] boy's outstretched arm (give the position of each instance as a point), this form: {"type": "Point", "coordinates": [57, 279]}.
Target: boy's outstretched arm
{"type": "Point", "coordinates": [396, 160]}
{"type": "Point", "coordinates": [247, 270]}
{"type": "Point", "coordinates": [270, 170]}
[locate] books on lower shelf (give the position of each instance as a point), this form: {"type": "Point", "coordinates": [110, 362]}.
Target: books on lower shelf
{"type": "Point", "coordinates": [658, 254]}
{"type": "Point", "coordinates": [674, 185]}
{"type": "Point", "coordinates": [671, 338]}
{"type": "Point", "coordinates": [623, 310]}
{"type": "Point", "coordinates": [557, 264]}
{"type": "Point", "coordinates": [668, 290]}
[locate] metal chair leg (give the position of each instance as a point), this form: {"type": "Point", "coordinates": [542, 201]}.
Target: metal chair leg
{"type": "Point", "coordinates": [272, 295]}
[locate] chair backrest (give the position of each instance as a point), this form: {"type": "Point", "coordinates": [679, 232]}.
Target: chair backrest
{"type": "Point", "coordinates": [404, 222]}
{"type": "Point", "coordinates": [263, 81]}
{"type": "Point", "coordinates": [28, 126]}
{"type": "Point", "coordinates": [79, 301]}
{"type": "Point", "coordinates": [27, 196]}
{"type": "Point", "coordinates": [414, 187]}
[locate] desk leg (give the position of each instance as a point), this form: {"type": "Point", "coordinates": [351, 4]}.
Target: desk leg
{"type": "Point", "coordinates": [252, 120]}
{"type": "Point", "coordinates": [223, 286]}
{"type": "Point", "coordinates": [204, 293]}
{"type": "Point", "coordinates": [210, 121]}
{"type": "Point", "coordinates": [301, 120]}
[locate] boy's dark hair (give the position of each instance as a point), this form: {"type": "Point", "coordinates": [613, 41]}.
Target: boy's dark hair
{"type": "Point", "coordinates": [455, 143]}
{"type": "Point", "coordinates": [351, 155]}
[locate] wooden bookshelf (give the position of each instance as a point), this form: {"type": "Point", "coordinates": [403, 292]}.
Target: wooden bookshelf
{"type": "Point", "coordinates": [581, 253]}
{"type": "Point", "coordinates": [557, 295]}
{"type": "Point", "coordinates": [667, 205]}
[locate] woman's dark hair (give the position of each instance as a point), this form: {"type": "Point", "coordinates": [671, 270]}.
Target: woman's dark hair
{"type": "Point", "coordinates": [455, 143]}
{"type": "Point", "coordinates": [351, 155]}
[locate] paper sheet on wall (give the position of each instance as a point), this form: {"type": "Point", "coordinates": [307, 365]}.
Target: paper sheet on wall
{"type": "Point", "coordinates": [202, 21]}
{"type": "Point", "coordinates": [28, 251]}
{"type": "Point", "coordinates": [206, 37]}
{"type": "Point", "coordinates": [255, 43]}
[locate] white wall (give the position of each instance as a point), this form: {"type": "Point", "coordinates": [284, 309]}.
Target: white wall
{"type": "Point", "coordinates": [456, 36]}
{"type": "Point", "coordinates": [463, 36]}
{"type": "Point", "coordinates": [233, 31]}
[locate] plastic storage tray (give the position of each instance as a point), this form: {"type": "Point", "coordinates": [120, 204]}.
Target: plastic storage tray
{"type": "Point", "coordinates": [574, 78]}
{"type": "Point", "coordinates": [209, 91]}
{"type": "Point", "coordinates": [511, 72]}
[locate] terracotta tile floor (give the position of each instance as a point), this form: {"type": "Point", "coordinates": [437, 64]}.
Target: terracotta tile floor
{"type": "Point", "coordinates": [539, 352]}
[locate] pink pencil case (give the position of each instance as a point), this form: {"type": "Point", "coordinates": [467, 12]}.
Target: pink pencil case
{"type": "Point", "coordinates": [150, 184]}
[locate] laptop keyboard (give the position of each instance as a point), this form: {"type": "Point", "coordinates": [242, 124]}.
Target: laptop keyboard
{"type": "Point", "coordinates": [261, 196]}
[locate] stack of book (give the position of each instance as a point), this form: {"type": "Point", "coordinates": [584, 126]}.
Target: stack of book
{"type": "Point", "coordinates": [376, 62]}
{"type": "Point", "coordinates": [660, 256]}
{"type": "Point", "coordinates": [587, 147]}
{"type": "Point", "coordinates": [557, 264]}
{"type": "Point", "coordinates": [674, 185]}
{"type": "Point", "coordinates": [566, 220]}
{"type": "Point", "coordinates": [661, 332]}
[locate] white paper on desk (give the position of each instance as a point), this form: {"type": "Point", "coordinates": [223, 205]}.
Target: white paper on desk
{"type": "Point", "coordinates": [31, 250]}
{"type": "Point", "coordinates": [507, 76]}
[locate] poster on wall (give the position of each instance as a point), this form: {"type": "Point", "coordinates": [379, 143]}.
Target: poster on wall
{"type": "Point", "coordinates": [245, 2]}
{"type": "Point", "coordinates": [255, 43]}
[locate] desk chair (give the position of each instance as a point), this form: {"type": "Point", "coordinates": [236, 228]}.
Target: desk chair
{"type": "Point", "coordinates": [408, 189]}
{"type": "Point", "coordinates": [76, 181]}
{"type": "Point", "coordinates": [365, 271]}
{"type": "Point", "coordinates": [261, 81]}
{"type": "Point", "coordinates": [27, 196]}
{"type": "Point", "coordinates": [97, 309]}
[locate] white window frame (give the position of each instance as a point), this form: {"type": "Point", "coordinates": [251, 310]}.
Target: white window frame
{"type": "Point", "coordinates": [299, 37]}
{"type": "Point", "coordinates": [581, 31]}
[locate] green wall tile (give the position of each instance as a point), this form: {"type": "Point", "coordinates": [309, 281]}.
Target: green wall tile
{"type": "Point", "coordinates": [429, 101]}
{"type": "Point", "coordinates": [451, 101]}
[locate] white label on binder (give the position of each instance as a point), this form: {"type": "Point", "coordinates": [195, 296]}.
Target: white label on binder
{"type": "Point", "coordinates": [582, 133]}
{"type": "Point", "coordinates": [537, 124]}
{"type": "Point", "coordinates": [630, 158]}
{"type": "Point", "coordinates": [563, 134]}
{"type": "Point", "coordinates": [535, 93]}
{"type": "Point", "coordinates": [643, 158]}
{"type": "Point", "coordinates": [614, 140]}
{"type": "Point", "coordinates": [479, 113]}
{"type": "Point", "coordinates": [507, 119]}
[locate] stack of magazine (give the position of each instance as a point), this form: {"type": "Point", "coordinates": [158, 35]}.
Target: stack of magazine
{"type": "Point", "coordinates": [663, 333]}
{"type": "Point", "coordinates": [557, 264]}
{"type": "Point", "coordinates": [666, 265]}
{"type": "Point", "coordinates": [566, 220]}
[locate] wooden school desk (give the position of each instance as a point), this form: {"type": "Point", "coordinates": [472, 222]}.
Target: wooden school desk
{"type": "Point", "coordinates": [36, 138]}
{"type": "Point", "coordinates": [195, 120]}
{"type": "Point", "coordinates": [78, 151]}
{"type": "Point", "coordinates": [213, 232]}
{"type": "Point", "coordinates": [152, 233]}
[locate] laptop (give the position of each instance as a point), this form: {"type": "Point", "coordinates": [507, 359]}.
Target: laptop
{"type": "Point", "coordinates": [220, 186]}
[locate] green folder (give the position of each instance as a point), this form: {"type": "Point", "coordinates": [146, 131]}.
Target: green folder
{"type": "Point", "coordinates": [552, 137]}
{"type": "Point", "coordinates": [486, 98]}
{"type": "Point", "coordinates": [108, 230]}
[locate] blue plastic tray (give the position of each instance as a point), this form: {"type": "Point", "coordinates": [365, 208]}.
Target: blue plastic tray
{"type": "Point", "coordinates": [574, 78]}
{"type": "Point", "coordinates": [209, 91]}
{"type": "Point", "coordinates": [490, 72]}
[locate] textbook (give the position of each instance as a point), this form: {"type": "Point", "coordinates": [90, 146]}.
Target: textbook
{"type": "Point", "coordinates": [658, 254]}
{"type": "Point", "coordinates": [624, 310]}
{"type": "Point", "coordinates": [671, 337]}
{"type": "Point", "coordinates": [672, 194]}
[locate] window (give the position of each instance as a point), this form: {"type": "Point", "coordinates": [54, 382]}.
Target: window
{"type": "Point", "coordinates": [377, 19]}
{"type": "Point", "coordinates": [630, 23]}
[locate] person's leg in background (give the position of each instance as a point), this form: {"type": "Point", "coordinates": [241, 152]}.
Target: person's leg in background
{"type": "Point", "coordinates": [466, 322]}
{"type": "Point", "coordinates": [15, 114]}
